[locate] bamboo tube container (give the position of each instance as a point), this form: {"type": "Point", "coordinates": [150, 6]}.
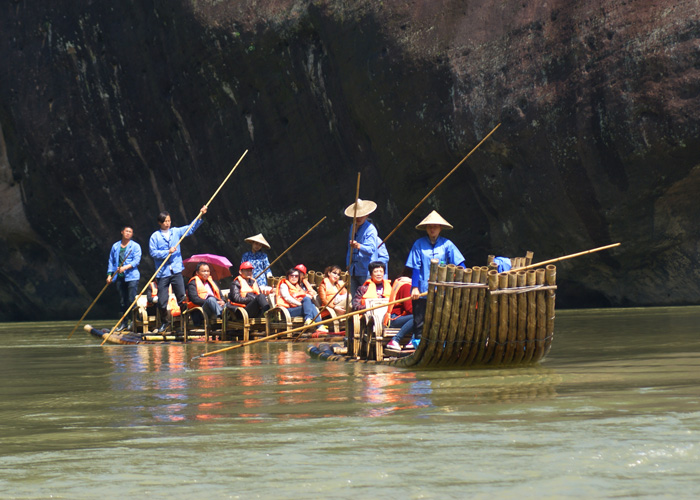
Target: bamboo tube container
{"type": "Point", "coordinates": [512, 319]}
{"type": "Point", "coordinates": [493, 319]}
{"type": "Point", "coordinates": [528, 258]}
{"type": "Point", "coordinates": [521, 335]}
{"type": "Point", "coordinates": [550, 278]}
{"type": "Point", "coordinates": [445, 316]}
{"type": "Point", "coordinates": [464, 311]}
{"type": "Point", "coordinates": [481, 330]}
{"type": "Point", "coordinates": [531, 317]}
{"type": "Point", "coordinates": [489, 259]}
{"type": "Point", "coordinates": [450, 345]}
{"type": "Point", "coordinates": [469, 320]}
{"type": "Point", "coordinates": [420, 350]}
{"type": "Point", "coordinates": [541, 317]}
{"type": "Point", "coordinates": [436, 325]}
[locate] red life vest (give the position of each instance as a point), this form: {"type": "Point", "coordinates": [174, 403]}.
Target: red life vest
{"type": "Point", "coordinates": [371, 292]}
{"type": "Point", "coordinates": [296, 291]}
{"type": "Point", "coordinates": [398, 283]}
{"type": "Point", "coordinates": [203, 291]}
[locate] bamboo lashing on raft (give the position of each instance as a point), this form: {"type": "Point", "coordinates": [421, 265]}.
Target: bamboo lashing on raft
{"type": "Point", "coordinates": [185, 234]}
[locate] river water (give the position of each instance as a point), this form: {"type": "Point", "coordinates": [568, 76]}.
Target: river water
{"type": "Point", "coordinates": [612, 412]}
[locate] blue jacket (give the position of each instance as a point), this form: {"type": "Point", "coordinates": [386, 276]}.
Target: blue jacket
{"type": "Point", "coordinates": [133, 257]}
{"type": "Point", "coordinates": [423, 251]}
{"type": "Point", "coordinates": [159, 246]}
{"type": "Point", "coordinates": [369, 240]}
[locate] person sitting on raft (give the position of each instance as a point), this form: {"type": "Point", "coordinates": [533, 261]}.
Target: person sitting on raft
{"type": "Point", "coordinates": [203, 292]}
{"type": "Point", "coordinates": [401, 314]}
{"type": "Point", "coordinates": [329, 288]}
{"type": "Point", "coordinates": [258, 258]}
{"type": "Point", "coordinates": [293, 297]}
{"type": "Point", "coordinates": [432, 246]}
{"type": "Point", "coordinates": [304, 282]}
{"type": "Point", "coordinates": [245, 292]}
{"type": "Point", "coordinates": [375, 287]}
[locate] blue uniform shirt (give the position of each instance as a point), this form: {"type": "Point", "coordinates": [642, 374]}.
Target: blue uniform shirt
{"type": "Point", "coordinates": [367, 237]}
{"type": "Point", "coordinates": [133, 257]}
{"type": "Point", "coordinates": [423, 251]}
{"type": "Point", "coordinates": [159, 246]}
{"type": "Point", "coordinates": [260, 262]}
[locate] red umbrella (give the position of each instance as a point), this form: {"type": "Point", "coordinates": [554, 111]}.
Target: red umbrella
{"type": "Point", "coordinates": [218, 265]}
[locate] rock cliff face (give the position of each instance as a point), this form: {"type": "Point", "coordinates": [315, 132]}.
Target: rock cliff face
{"type": "Point", "coordinates": [110, 113]}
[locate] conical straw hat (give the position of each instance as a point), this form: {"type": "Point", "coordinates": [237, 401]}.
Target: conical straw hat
{"type": "Point", "coordinates": [434, 218]}
{"type": "Point", "coordinates": [258, 238]}
{"type": "Point", "coordinates": [364, 207]}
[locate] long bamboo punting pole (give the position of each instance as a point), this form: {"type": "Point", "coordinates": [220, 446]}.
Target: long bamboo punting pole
{"type": "Point", "coordinates": [348, 299]}
{"type": "Point", "coordinates": [565, 257]}
{"type": "Point", "coordinates": [185, 234]}
{"type": "Point", "coordinates": [290, 247]}
{"type": "Point", "coordinates": [437, 185]}
{"type": "Point", "coordinates": [293, 330]}
{"type": "Point", "coordinates": [96, 298]}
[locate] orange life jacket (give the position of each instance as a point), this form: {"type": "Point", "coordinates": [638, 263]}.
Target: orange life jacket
{"type": "Point", "coordinates": [202, 290]}
{"type": "Point", "coordinates": [295, 291]}
{"type": "Point", "coordinates": [371, 292]}
{"type": "Point", "coordinates": [398, 283]}
{"type": "Point", "coordinates": [330, 291]}
{"type": "Point", "coordinates": [246, 289]}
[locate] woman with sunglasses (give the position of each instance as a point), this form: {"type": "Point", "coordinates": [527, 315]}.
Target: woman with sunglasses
{"type": "Point", "coordinates": [293, 297]}
{"type": "Point", "coordinates": [328, 290]}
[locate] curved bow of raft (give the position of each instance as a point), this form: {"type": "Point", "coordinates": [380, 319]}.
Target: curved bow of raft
{"type": "Point", "coordinates": [474, 317]}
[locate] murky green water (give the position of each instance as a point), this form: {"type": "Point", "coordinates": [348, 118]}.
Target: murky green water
{"type": "Point", "coordinates": [614, 411]}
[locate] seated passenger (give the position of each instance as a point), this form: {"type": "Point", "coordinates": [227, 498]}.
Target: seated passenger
{"type": "Point", "coordinates": [292, 296]}
{"type": "Point", "coordinates": [246, 293]}
{"type": "Point", "coordinates": [203, 292]}
{"type": "Point", "coordinates": [305, 285]}
{"type": "Point", "coordinates": [401, 314]}
{"type": "Point", "coordinates": [328, 290]}
{"type": "Point", "coordinates": [375, 287]}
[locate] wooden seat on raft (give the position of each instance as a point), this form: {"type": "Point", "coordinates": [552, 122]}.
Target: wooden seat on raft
{"type": "Point", "coordinates": [211, 327]}
{"type": "Point", "coordinates": [238, 323]}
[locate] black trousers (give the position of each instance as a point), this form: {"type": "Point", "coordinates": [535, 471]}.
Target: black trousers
{"type": "Point", "coordinates": [178, 289]}
{"type": "Point", "coordinates": [419, 307]}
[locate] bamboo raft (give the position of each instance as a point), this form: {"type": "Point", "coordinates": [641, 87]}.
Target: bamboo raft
{"type": "Point", "coordinates": [474, 317]}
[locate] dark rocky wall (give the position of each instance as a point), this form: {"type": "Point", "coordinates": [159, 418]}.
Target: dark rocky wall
{"type": "Point", "coordinates": [111, 112]}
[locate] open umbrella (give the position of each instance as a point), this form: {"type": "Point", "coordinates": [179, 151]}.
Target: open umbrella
{"type": "Point", "coordinates": [218, 265]}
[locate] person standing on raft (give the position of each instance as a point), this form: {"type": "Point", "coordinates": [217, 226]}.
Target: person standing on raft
{"type": "Point", "coordinates": [163, 243]}
{"type": "Point", "coordinates": [123, 269]}
{"type": "Point", "coordinates": [431, 246]}
{"type": "Point", "coordinates": [258, 258]}
{"type": "Point", "coordinates": [364, 244]}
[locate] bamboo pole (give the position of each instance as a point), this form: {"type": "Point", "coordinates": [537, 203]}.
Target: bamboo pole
{"type": "Point", "coordinates": [512, 319]}
{"type": "Point", "coordinates": [531, 317]}
{"type": "Point", "coordinates": [550, 279]}
{"type": "Point", "coordinates": [541, 317]}
{"type": "Point", "coordinates": [294, 330]}
{"type": "Point", "coordinates": [522, 319]}
{"type": "Point", "coordinates": [185, 234]}
{"type": "Point", "coordinates": [438, 185]}
{"type": "Point", "coordinates": [290, 247]}
{"type": "Point", "coordinates": [571, 256]}
{"type": "Point", "coordinates": [348, 299]}
{"type": "Point", "coordinates": [98, 296]}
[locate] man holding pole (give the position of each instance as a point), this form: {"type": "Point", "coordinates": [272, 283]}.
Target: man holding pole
{"type": "Point", "coordinates": [163, 243]}
{"type": "Point", "coordinates": [431, 246]}
{"type": "Point", "coordinates": [123, 269]}
{"type": "Point", "coordinates": [363, 245]}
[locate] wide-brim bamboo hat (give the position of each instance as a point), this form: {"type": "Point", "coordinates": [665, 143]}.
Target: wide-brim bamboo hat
{"type": "Point", "coordinates": [364, 207]}
{"type": "Point", "coordinates": [434, 218]}
{"type": "Point", "coordinates": [258, 238]}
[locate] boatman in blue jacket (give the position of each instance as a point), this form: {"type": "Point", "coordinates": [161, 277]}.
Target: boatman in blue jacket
{"type": "Point", "coordinates": [431, 246]}
{"type": "Point", "coordinates": [163, 243]}
{"type": "Point", "coordinates": [364, 245]}
{"type": "Point", "coordinates": [123, 269]}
